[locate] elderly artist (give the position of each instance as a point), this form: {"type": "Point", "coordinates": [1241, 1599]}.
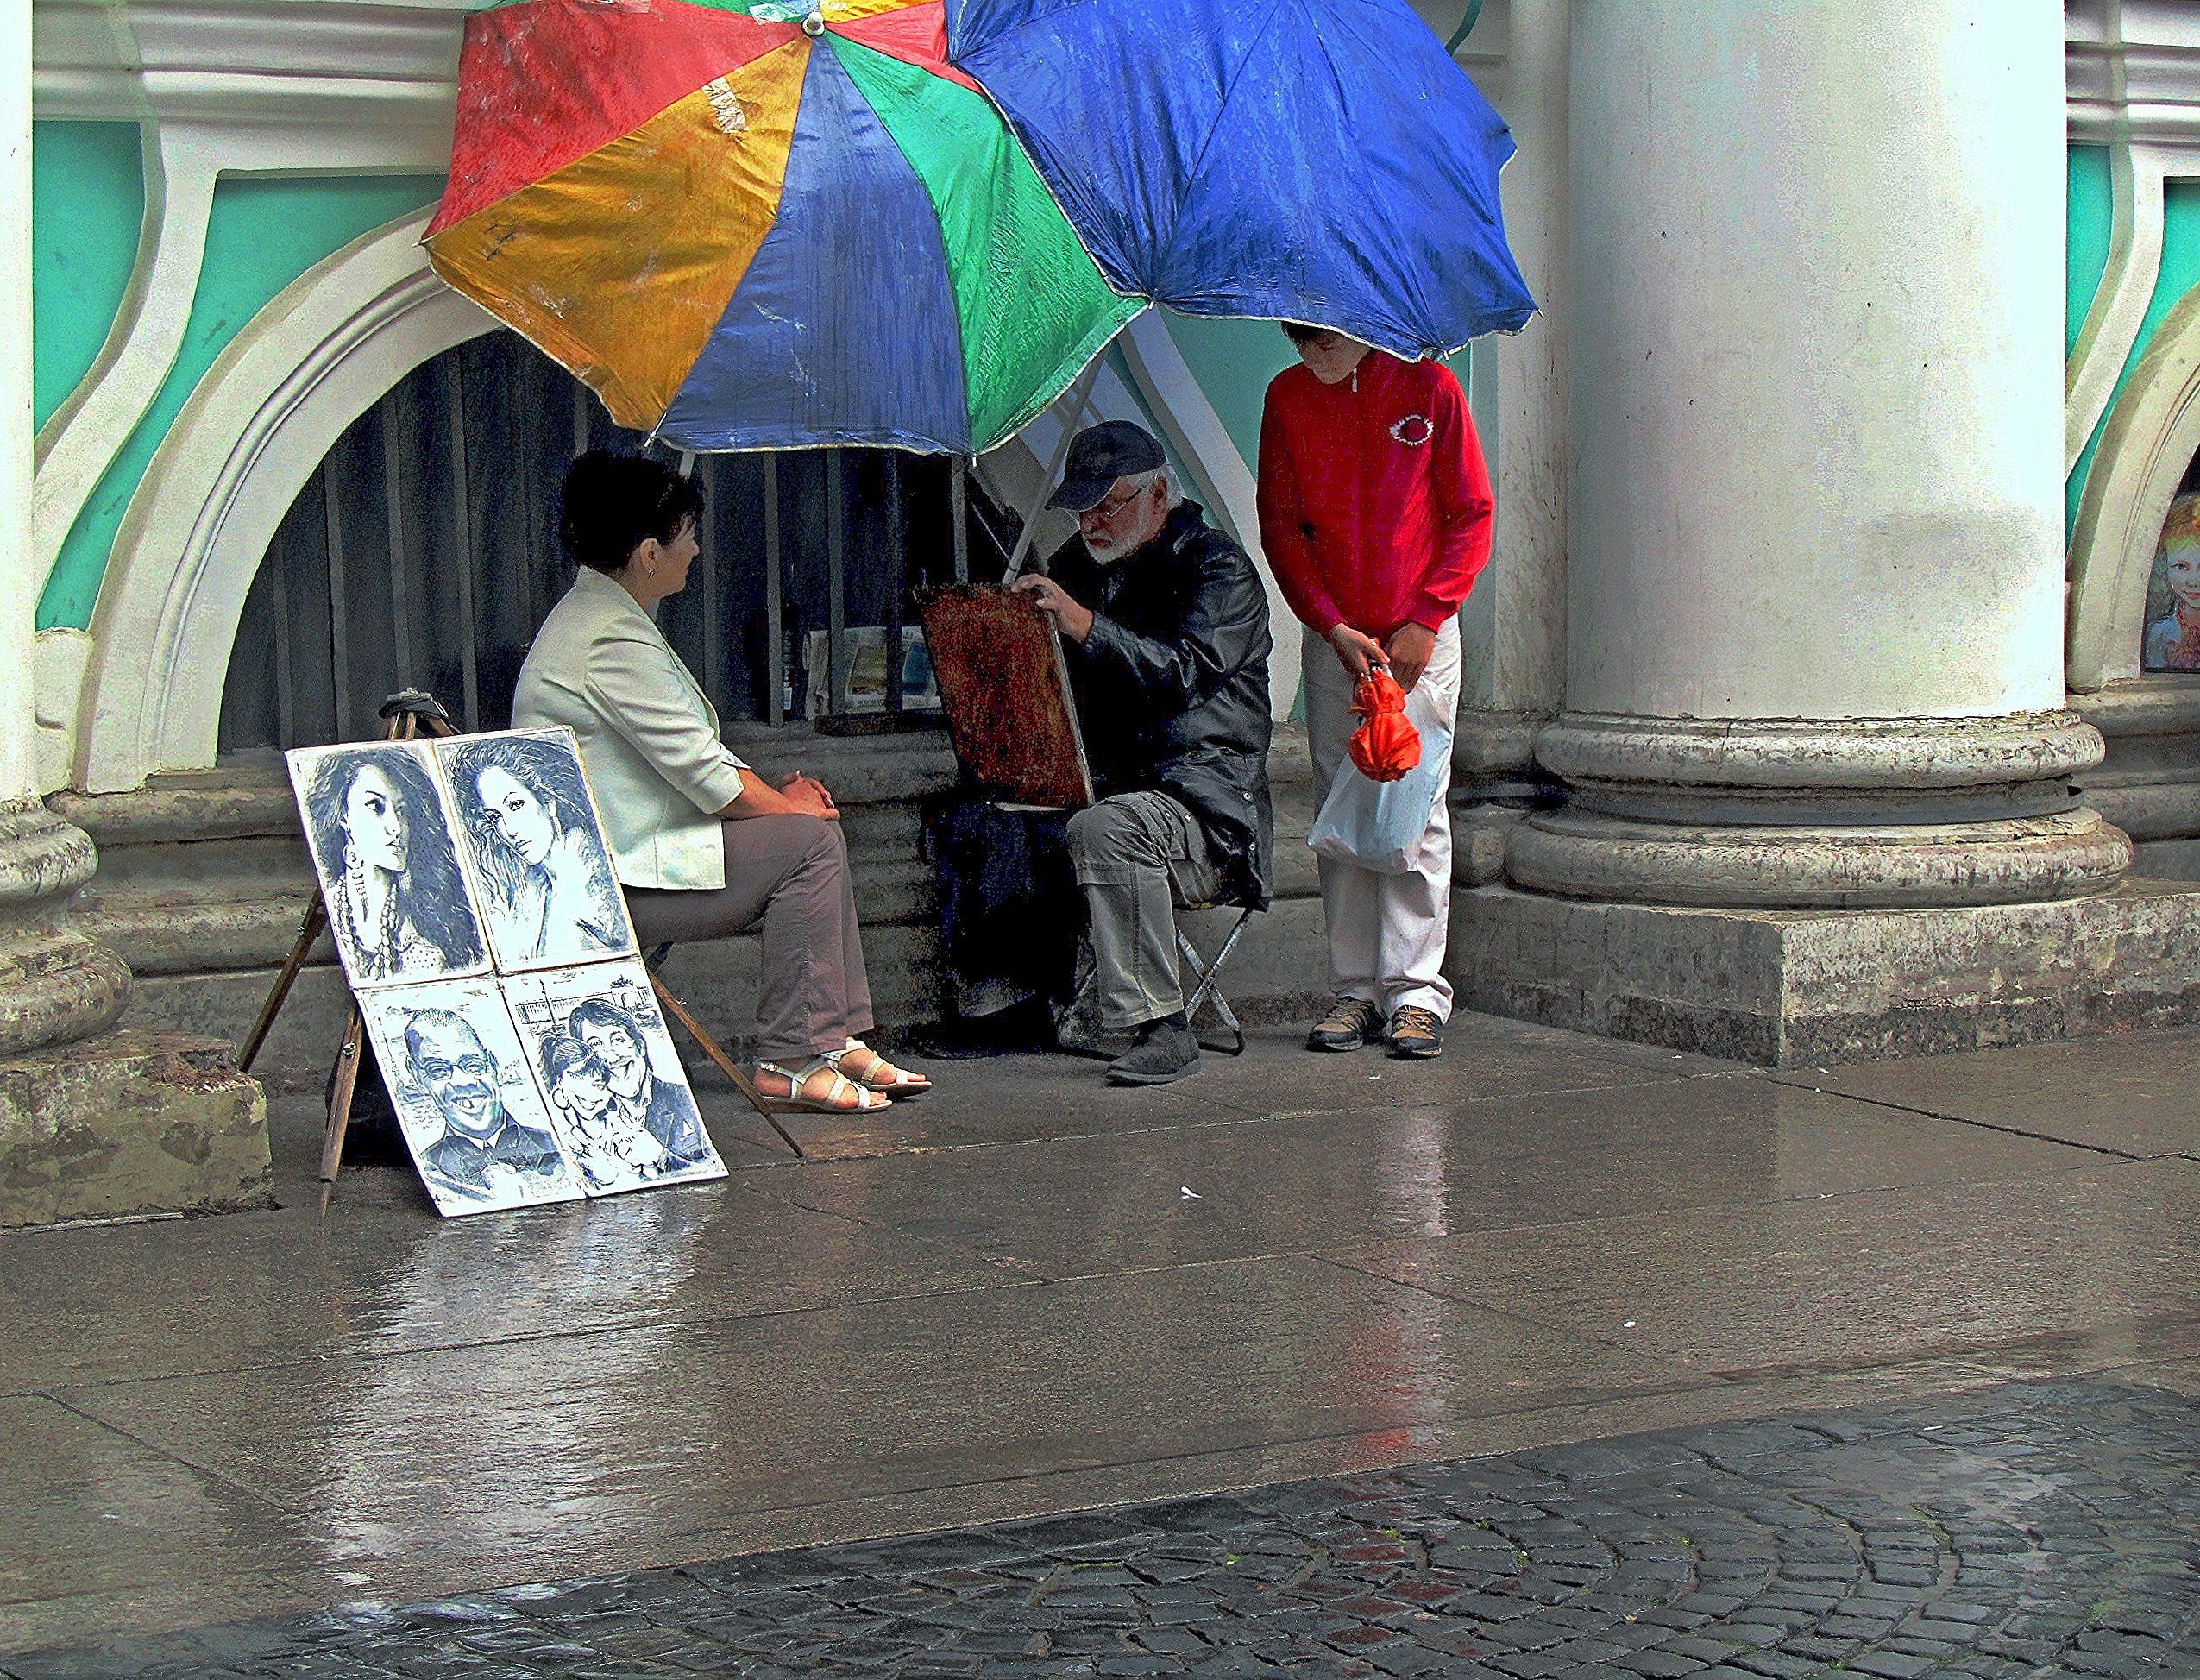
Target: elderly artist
{"type": "Point", "coordinates": [1166, 629]}
{"type": "Point", "coordinates": [705, 846]}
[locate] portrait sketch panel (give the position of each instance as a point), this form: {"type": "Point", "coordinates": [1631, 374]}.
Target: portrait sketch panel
{"type": "Point", "coordinates": [2172, 637]}
{"type": "Point", "coordinates": [616, 1091]}
{"type": "Point", "coordinates": [534, 846]}
{"type": "Point", "coordinates": [465, 1097]}
{"type": "Point", "coordinates": [379, 830]}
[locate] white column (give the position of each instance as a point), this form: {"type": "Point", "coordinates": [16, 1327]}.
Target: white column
{"type": "Point", "coordinates": [1814, 649]}
{"type": "Point", "coordinates": [1524, 592]}
{"type": "Point", "coordinates": [55, 984]}
{"type": "Point", "coordinates": [18, 598]}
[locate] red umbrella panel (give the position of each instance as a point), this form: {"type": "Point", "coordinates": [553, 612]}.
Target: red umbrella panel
{"type": "Point", "coordinates": [748, 231]}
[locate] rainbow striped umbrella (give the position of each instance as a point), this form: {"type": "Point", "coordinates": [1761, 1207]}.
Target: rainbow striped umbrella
{"type": "Point", "coordinates": [749, 224]}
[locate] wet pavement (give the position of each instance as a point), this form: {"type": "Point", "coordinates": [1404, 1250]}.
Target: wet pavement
{"type": "Point", "coordinates": [1030, 1294]}
{"type": "Point", "coordinates": [2028, 1530]}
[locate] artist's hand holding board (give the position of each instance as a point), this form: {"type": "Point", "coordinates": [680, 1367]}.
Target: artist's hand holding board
{"type": "Point", "coordinates": [1005, 689]}
{"type": "Point", "coordinates": [473, 908]}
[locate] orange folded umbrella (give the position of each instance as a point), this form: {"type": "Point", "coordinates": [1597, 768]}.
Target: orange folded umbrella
{"type": "Point", "coordinates": [1385, 747]}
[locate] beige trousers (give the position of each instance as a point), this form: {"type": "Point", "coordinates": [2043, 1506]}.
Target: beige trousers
{"type": "Point", "coordinates": [790, 872]}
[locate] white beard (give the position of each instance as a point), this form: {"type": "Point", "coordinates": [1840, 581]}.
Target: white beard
{"type": "Point", "coordinates": [1114, 545]}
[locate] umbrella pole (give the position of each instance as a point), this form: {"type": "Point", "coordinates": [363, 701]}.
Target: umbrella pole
{"type": "Point", "coordinates": [1082, 392]}
{"type": "Point", "coordinates": [958, 502]}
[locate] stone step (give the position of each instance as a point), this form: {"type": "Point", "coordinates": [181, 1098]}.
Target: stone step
{"type": "Point", "coordinates": [129, 1123]}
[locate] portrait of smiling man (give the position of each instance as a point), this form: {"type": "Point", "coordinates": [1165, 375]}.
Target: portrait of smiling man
{"type": "Point", "coordinates": [483, 1142]}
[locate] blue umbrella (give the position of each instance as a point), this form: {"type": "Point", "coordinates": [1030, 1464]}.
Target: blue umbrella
{"type": "Point", "coordinates": [1319, 160]}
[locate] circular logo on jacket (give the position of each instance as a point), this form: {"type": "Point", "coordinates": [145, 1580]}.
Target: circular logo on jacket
{"type": "Point", "coordinates": [1414, 430]}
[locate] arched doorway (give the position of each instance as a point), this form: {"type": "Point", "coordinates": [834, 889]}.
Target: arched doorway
{"type": "Point", "coordinates": [422, 552]}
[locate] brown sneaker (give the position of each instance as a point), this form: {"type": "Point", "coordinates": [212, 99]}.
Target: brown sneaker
{"type": "Point", "coordinates": [1416, 1034]}
{"type": "Point", "coordinates": [1350, 1023]}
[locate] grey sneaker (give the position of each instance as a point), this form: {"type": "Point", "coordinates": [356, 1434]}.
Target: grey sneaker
{"type": "Point", "coordinates": [1350, 1023]}
{"type": "Point", "coordinates": [1416, 1034]}
{"type": "Point", "coordinates": [1165, 1052]}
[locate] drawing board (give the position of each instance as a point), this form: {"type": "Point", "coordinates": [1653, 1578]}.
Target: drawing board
{"type": "Point", "coordinates": [1005, 689]}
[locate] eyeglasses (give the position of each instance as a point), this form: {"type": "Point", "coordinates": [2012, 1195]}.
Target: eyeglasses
{"type": "Point", "coordinates": [1112, 507]}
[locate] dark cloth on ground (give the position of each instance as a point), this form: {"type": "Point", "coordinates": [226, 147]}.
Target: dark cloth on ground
{"type": "Point", "coordinates": [1009, 908]}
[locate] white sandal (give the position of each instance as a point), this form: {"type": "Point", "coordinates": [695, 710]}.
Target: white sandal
{"type": "Point", "coordinates": [902, 1084]}
{"type": "Point", "coordinates": [867, 1101]}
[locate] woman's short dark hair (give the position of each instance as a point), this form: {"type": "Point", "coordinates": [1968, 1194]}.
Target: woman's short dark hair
{"type": "Point", "coordinates": [561, 1052]}
{"type": "Point", "coordinates": [615, 503]}
{"type": "Point", "coordinates": [1300, 333]}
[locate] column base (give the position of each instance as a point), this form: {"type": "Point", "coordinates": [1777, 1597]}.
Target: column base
{"type": "Point", "coordinates": [127, 1123]}
{"type": "Point", "coordinates": [1788, 988]}
{"type": "Point", "coordinates": [1581, 854]}
{"type": "Point", "coordinates": [55, 984]}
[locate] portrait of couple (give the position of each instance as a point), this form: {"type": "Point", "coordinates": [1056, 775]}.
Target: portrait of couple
{"type": "Point", "coordinates": [382, 833]}
{"type": "Point", "coordinates": [626, 1124]}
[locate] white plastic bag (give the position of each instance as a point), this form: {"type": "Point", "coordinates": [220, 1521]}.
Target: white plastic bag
{"type": "Point", "coordinates": [1380, 825]}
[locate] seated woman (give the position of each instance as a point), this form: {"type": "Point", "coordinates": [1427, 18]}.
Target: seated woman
{"type": "Point", "coordinates": [704, 846]}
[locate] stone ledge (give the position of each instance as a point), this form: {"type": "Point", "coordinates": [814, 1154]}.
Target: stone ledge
{"type": "Point", "coordinates": [2159, 705]}
{"type": "Point", "coordinates": [1276, 973]}
{"type": "Point", "coordinates": [130, 1123]}
{"type": "Point", "coordinates": [1783, 989]}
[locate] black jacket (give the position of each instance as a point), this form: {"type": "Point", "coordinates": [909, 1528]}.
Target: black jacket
{"type": "Point", "coordinates": [1172, 685]}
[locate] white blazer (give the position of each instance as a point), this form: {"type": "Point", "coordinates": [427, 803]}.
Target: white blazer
{"type": "Point", "coordinates": [648, 737]}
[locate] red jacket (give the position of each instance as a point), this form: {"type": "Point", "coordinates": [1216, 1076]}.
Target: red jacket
{"type": "Point", "coordinates": [1374, 503]}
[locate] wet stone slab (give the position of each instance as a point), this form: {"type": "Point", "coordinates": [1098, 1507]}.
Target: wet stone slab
{"type": "Point", "coordinates": [2032, 1529]}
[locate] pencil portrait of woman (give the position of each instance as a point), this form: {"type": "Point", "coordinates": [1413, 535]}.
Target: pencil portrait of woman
{"type": "Point", "coordinates": [397, 902]}
{"type": "Point", "coordinates": [547, 887]}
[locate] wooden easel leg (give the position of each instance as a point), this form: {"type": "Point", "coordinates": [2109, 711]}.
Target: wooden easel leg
{"type": "Point", "coordinates": [309, 929]}
{"type": "Point", "coordinates": [403, 725]}
{"type": "Point", "coordinates": [727, 1066]}
{"type": "Point", "coordinates": [354, 1036]}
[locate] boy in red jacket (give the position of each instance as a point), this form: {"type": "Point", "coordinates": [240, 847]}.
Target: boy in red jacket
{"type": "Point", "coordinates": [1375, 510]}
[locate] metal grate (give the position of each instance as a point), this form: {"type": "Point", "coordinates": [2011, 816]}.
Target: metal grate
{"type": "Point", "coordinates": [424, 552]}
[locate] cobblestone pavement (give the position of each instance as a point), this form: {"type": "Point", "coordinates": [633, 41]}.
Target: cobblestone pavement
{"type": "Point", "coordinates": [2031, 1529]}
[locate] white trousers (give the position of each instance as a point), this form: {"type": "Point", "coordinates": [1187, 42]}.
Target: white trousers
{"type": "Point", "coordinates": [1387, 933]}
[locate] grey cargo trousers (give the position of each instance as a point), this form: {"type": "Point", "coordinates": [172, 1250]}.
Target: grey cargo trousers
{"type": "Point", "coordinates": [1138, 856]}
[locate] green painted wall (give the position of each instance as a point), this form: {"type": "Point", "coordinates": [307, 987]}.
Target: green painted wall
{"type": "Point", "coordinates": [87, 197]}
{"type": "Point", "coordinates": [1234, 360]}
{"type": "Point", "coordinates": [2180, 273]}
{"type": "Point", "coordinates": [263, 235]}
{"type": "Point", "coordinates": [2089, 217]}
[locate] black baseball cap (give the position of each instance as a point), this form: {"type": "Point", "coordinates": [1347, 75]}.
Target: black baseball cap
{"type": "Point", "coordinates": [1098, 456]}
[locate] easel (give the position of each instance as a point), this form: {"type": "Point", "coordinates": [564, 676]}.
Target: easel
{"type": "Point", "coordinates": [406, 715]}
